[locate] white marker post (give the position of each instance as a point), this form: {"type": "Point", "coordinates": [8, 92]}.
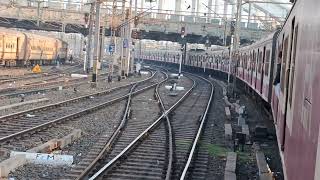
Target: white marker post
{"type": "Point", "coordinates": [180, 63]}
{"type": "Point", "coordinates": [47, 159]}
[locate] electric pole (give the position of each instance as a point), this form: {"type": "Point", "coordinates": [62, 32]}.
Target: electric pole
{"type": "Point", "coordinates": [234, 46]}
{"type": "Point", "coordinates": [183, 48]}
{"type": "Point", "coordinates": [102, 38]}
{"type": "Point", "coordinates": [237, 41]}
{"type": "Point", "coordinates": [112, 43]}
{"type": "Point", "coordinates": [130, 52]}
{"type": "Point", "coordinates": [89, 39]}
{"type": "Point", "coordinates": [38, 12]}
{"type": "Point", "coordinates": [96, 41]}
{"type": "Point", "coordinates": [121, 69]}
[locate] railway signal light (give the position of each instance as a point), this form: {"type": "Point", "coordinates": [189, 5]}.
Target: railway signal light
{"type": "Point", "coordinates": [232, 27]}
{"type": "Point", "coordinates": [136, 21]}
{"type": "Point", "coordinates": [86, 18]}
{"type": "Point", "coordinates": [183, 31]}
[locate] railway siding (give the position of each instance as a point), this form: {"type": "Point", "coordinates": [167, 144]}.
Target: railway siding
{"type": "Point", "coordinates": [91, 134]}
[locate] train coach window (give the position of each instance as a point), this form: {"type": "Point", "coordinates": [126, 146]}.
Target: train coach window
{"type": "Point", "coordinates": [260, 62]}
{"type": "Point", "coordinates": [278, 70]}
{"type": "Point", "coordinates": [283, 65]}
{"type": "Point", "coordinates": [293, 64]}
{"type": "Point", "coordinates": [267, 62]}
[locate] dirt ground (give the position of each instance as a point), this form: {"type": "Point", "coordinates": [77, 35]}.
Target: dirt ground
{"type": "Point", "coordinates": [258, 116]}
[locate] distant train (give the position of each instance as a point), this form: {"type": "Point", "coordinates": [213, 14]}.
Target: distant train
{"type": "Point", "coordinates": [284, 70]}
{"type": "Point", "coordinates": [21, 49]}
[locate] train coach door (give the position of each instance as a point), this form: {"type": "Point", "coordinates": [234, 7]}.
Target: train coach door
{"type": "Point", "coordinates": [262, 69]}
{"type": "Point", "coordinates": [257, 68]}
{"type": "Point", "coordinates": [252, 68]}
{"type": "Point", "coordinates": [1, 49]}
{"type": "Point", "coordinates": [17, 48]}
{"type": "Point", "coordinates": [289, 77]}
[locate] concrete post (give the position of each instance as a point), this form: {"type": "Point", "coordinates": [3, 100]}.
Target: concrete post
{"type": "Point", "coordinates": [38, 12]}
{"type": "Point", "coordinates": [178, 7]}
{"type": "Point", "coordinates": [96, 42]}
{"type": "Point", "coordinates": [233, 9]}
{"type": "Point", "coordinates": [209, 10]}
{"type": "Point", "coordinates": [102, 43]}
{"type": "Point", "coordinates": [225, 9]}
{"type": "Point", "coordinates": [160, 4]}
{"type": "Point", "coordinates": [216, 5]}
{"type": "Point", "coordinates": [112, 41]}
{"type": "Point", "coordinates": [236, 42]}
{"type": "Point", "coordinates": [130, 53]}
{"type": "Point", "coordinates": [135, 7]}
{"type": "Point", "coordinates": [89, 39]}
{"type": "Point", "coordinates": [249, 14]}
{"type": "Point", "coordinates": [193, 6]}
{"type": "Point", "coordinates": [121, 69]}
{"type": "Point", "coordinates": [198, 7]}
{"type": "Point", "coordinates": [142, 4]}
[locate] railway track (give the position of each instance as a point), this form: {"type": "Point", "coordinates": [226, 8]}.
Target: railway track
{"type": "Point", "coordinates": [191, 160]}
{"type": "Point", "coordinates": [5, 79]}
{"type": "Point", "coordinates": [197, 161]}
{"type": "Point", "coordinates": [151, 157]}
{"type": "Point", "coordinates": [104, 145]}
{"type": "Point", "coordinates": [45, 87]}
{"type": "Point", "coordinates": [29, 121]}
{"type": "Point", "coordinates": [36, 80]}
{"type": "Point", "coordinates": [151, 154]}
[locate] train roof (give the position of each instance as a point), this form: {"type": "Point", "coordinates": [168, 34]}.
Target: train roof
{"type": "Point", "coordinates": [28, 34]}
{"type": "Point", "coordinates": [10, 31]}
{"type": "Point", "coordinates": [40, 36]}
{"type": "Point", "coordinates": [268, 38]}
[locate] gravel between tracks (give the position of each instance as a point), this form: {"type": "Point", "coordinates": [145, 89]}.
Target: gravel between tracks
{"type": "Point", "coordinates": [65, 94]}
{"type": "Point", "coordinates": [96, 125]}
{"type": "Point", "coordinates": [209, 164]}
{"type": "Point", "coordinates": [93, 126]}
{"type": "Point", "coordinates": [170, 100]}
{"type": "Point", "coordinates": [16, 72]}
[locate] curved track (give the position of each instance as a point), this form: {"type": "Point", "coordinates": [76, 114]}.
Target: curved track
{"type": "Point", "coordinates": [21, 123]}
{"type": "Point", "coordinates": [106, 149]}
{"type": "Point", "coordinates": [154, 153]}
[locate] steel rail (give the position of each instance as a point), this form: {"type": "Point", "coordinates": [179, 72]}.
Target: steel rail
{"type": "Point", "coordinates": [170, 160]}
{"type": "Point", "coordinates": [200, 130]}
{"type": "Point", "coordinates": [15, 94]}
{"type": "Point", "coordinates": [117, 132]}
{"type": "Point", "coordinates": [137, 139]}
{"type": "Point", "coordinates": [70, 100]}
{"type": "Point", "coordinates": [31, 75]}
{"type": "Point", "coordinates": [74, 115]}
